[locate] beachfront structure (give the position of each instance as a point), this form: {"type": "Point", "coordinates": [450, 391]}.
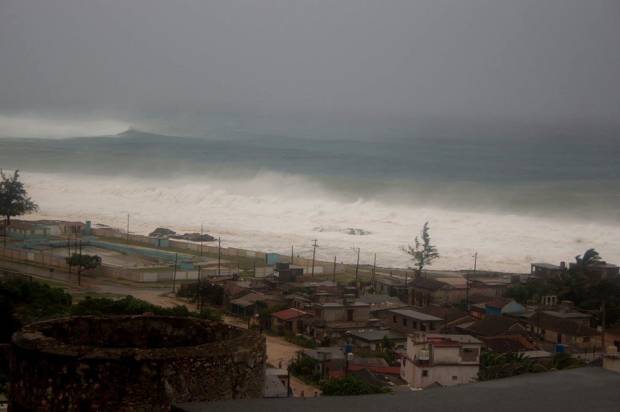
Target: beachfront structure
{"type": "Point", "coordinates": [438, 359]}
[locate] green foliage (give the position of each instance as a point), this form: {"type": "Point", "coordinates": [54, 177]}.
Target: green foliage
{"type": "Point", "coordinates": [301, 340]}
{"type": "Point", "coordinates": [495, 365]}
{"type": "Point", "coordinates": [24, 301]}
{"type": "Point", "coordinates": [305, 368]}
{"type": "Point", "coordinates": [210, 314]}
{"type": "Point", "coordinates": [211, 293]}
{"type": "Point", "coordinates": [125, 306]}
{"type": "Point", "coordinates": [591, 256]}
{"type": "Point", "coordinates": [84, 261]}
{"type": "Point", "coordinates": [350, 386]}
{"type": "Point", "coordinates": [14, 200]}
{"type": "Point", "coordinates": [423, 252]}
{"type": "Point", "coordinates": [386, 354]}
{"type": "Point", "coordinates": [575, 285]}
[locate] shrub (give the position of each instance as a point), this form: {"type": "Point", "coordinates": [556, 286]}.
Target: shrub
{"type": "Point", "coordinates": [349, 386]}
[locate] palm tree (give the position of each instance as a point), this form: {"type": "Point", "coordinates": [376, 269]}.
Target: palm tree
{"type": "Point", "coordinates": [590, 257]}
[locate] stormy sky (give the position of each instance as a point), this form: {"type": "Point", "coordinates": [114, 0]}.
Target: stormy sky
{"type": "Point", "coordinates": [72, 67]}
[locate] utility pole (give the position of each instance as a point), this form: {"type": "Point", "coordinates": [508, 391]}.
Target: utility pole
{"type": "Point", "coordinates": [174, 273]}
{"type": "Point", "coordinates": [467, 285]}
{"type": "Point", "coordinates": [374, 270]}
{"type": "Point", "coordinates": [219, 255]}
{"type": "Point", "coordinates": [127, 227]}
{"type": "Point", "coordinates": [201, 235]}
{"type": "Point", "coordinates": [334, 271]}
{"type": "Point", "coordinates": [199, 291]}
{"type": "Point", "coordinates": [292, 254]}
{"type": "Point", "coordinates": [603, 319]}
{"type": "Point", "coordinates": [80, 263]}
{"type": "Point", "coordinates": [314, 246]}
{"type": "Point", "coordinates": [357, 265]}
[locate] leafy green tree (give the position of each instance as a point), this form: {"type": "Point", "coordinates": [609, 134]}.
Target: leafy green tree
{"type": "Point", "coordinates": [305, 368]}
{"type": "Point", "coordinates": [423, 253]}
{"type": "Point", "coordinates": [590, 257]}
{"type": "Point", "coordinates": [84, 262]}
{"type": "Point", "coordinates": [350, 386]}
{"type": "Point", "coordinates": [14, 200]}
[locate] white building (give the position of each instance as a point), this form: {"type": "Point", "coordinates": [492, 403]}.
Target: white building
{"type": "Point", "coordinates": [445, 360]}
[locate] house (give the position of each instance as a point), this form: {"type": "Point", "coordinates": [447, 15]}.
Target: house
{"type": "Point", "coordinates": [323, 357]}
{"type": "Point", "coordinates": [597, 270]}
{"type": "Point", "coordinates": [508, 344]}
{"type": "Point", "coordinates": [503, 306]}
{"type": "Point", "coordinates": [547, 270]}
{"type": "Point", "coordinates": [23, 229]}
{"type": "Point", "coordinates": [494, 326]}
{"type": "Point", "coordinates": [286, 272]}
{"type": "Point", "coordinates": [374, 339]}
{"type": "Point", "coordinates": [574, 335]}
{"type": "Point", "coordinates": [344, 311]}
{"type": "Point", "coordinates": [276, 383]}
{"type": "Point", "coordinates": [389, 285]}
{"type": "Point", "coordinates": [333, 319]}
{"type": "Point", "coordinates": [612, 337]}
{"type": "Point", "coordinates": [407, 320]}
{"type": "Point", "coordinates": [380, 300]}
{"type": "Point", "coordinates": [252, 303]}
{"type": "Point", "coordinates": [567, 313]}
{"type": "Point", "coordinates": [440, 359]}
{"type": "Point", "coordinates": [289, 321]}
{"type": "Point", "coordinates": [451, 316]}
{"type": "Point", "coordinates": [426, 291]}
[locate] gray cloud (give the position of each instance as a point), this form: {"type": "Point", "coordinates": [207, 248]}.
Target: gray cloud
{"type": "Point", "coordinates": [159, 61]}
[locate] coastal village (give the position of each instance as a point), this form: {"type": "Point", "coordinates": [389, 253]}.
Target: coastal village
{"type": "Point", "coordinates": [394, 329]}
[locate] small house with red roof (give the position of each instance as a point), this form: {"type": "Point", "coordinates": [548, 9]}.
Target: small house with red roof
{"type": "Point", "coordinates": [289, 321]}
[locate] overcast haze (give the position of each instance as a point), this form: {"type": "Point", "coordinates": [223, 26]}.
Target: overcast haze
{"type": "Point", "coordinates": [71, 67]}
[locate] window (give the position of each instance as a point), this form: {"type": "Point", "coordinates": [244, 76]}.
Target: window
{"type": "Point", "coordinates": [431, 326]}
{"type": "Point", "coordinates": [393, 318]}
{"type": "Point", "coordinates": [349, 315]}
{"type": "Point", "coordinates": [422, 327]}
{"type": "Point", "coordinates": [404, 321]}
{"type": "Point", "coordinates": [454, 377]}
{"type": "Point", "coordinates": [425, 373]}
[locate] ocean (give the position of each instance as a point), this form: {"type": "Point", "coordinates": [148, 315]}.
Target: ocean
{"type": "Point", "coordinates": [514, 201]}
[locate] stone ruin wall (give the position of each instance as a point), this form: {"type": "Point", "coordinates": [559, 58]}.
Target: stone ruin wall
{"type": "Point", "coordinates": [132, 363]}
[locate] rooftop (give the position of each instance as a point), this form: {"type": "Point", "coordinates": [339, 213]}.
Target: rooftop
{"type": "Point", "coordinates": [413, 314]}
{"type": "Point", "coordinates": [494, 326]}
{"type": "Point", "coordinates": [375, 334]}
{"type": "Point", "coordinates": [289, 314]}
{"type": "Point", "coordinates": [573, 390]}
{"type": "Point", "coordinates": [546, 266]}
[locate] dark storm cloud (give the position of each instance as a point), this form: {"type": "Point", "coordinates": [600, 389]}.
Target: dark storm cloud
{"type": "Point", "coordinates": [546, 61]}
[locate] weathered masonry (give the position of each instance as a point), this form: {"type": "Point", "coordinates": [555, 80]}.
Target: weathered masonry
{"type": "Point", "coordinates": [132, 363]}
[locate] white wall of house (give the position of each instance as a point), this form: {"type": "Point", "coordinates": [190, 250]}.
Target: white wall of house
{"type": "Point", "coordinates": [427, 364]}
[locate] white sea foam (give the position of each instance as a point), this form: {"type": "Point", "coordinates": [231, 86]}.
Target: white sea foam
{"type": "Point", "coordinates": [271, 211]}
